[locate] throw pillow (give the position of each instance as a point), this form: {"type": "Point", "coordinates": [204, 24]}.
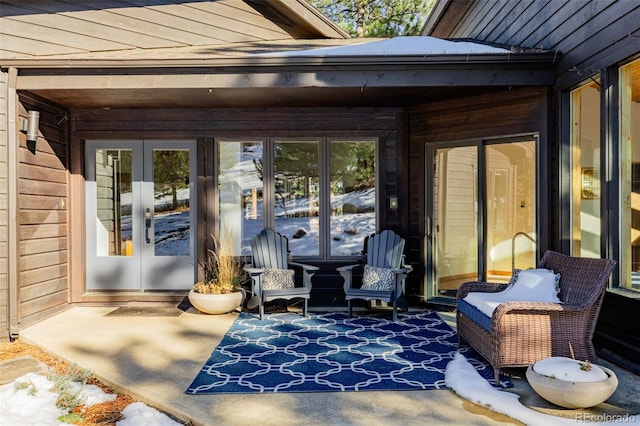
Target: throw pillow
{"type": "Point", "coordinates": [377, 279]}
{"type": "Point", "coordinates": [531, 285]}
{"type": "Point", "coordinates": [535, 285]}
{"type": "Point", "coordinates": [277, 279]}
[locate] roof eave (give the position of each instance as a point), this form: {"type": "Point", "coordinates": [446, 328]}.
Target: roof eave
{"type": "Point", "coordinates": [275, 61]}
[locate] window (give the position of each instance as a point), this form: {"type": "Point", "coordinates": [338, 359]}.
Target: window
{"type": "Point", "coordinates": [320, 193]}
{"type": "Point", "coordinates": [240, 190]}
{"type": "Point", "coordinates": [297, 195]}
{"type": "Point", "coordinates": [629, 169]}
{"type": "Point", "coordinates": [585, 181]}
{"type": "Point", "coordinates": [587, 157]}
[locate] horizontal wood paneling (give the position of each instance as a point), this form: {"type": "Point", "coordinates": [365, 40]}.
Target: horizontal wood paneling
{"type": "Point", "coordinates": [42, 216]}
{"type": "Point", "coordinates": [43, 245]}
{"type": "Point", "coordinates": [33, 292]}
{"type": "Point", "coordinates": [33, 307]}
{"type": "Point", "coordinates": [35, 276]}
{"type": "Point", "coordinates": [48, 27]}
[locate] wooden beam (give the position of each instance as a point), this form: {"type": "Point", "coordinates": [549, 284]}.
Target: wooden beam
{"type": "Point", "coordinates": [419, 77]}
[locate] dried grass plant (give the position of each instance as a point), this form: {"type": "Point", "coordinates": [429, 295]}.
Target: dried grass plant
{"type": "Point", "coordinates": [223, 271]}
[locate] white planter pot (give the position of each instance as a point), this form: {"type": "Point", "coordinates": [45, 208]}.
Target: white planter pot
{"type": "Point", "coordinates": [215, 303]}
{"type": "Point", "coordinates": [572, 393]}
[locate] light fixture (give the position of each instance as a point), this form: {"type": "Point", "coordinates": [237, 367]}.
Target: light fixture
{"type": "Point", "coordinates": [30, 125]}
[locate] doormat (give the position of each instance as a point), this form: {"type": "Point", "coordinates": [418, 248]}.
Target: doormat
{"type": "Point", "coordinates": [145, 311]}
{"type": "Point", "coordinates": [333, 353]}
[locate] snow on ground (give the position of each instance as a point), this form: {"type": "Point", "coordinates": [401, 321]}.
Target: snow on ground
{"type": "Point", "coordinates": [464, 380]}
{"type": "Point", "coordinates": [35, 404]}
{"type": "Point", "coordinates": [28, 401]}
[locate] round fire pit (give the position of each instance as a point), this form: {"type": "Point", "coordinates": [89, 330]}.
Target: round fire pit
{"type": "Point", "coordinates": [568, 383]}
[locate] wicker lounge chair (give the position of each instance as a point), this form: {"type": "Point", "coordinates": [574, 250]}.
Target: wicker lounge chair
{"type": "Point", "coordinates": [521, 333]}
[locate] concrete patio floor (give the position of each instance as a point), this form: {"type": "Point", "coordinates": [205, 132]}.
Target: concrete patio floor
{"type": "Point", "coordinates": [154, 359]}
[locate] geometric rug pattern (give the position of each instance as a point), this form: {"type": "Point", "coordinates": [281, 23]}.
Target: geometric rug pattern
{"type": "Point", "coordinates": [332, 353]}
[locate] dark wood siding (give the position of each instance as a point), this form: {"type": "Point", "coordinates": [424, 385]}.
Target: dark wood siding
{"type": "Point", "coordinates": [589, 35]}
{"type": "Point", "coordinates": [42, 216]}
{"type": "Point", "coordinates": [207, 124]}
{"type": "Point", "coordinates": [520, 111]}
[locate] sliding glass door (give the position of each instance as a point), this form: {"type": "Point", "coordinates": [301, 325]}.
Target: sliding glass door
{"type": "Point", "coordinates": [480, 212]}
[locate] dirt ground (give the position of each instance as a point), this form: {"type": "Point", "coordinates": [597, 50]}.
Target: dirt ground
{"type": "Point", "coordinates": [106, 413]}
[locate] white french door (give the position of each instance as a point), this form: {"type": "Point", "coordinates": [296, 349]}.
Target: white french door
{"type": "Point", "coordinates": [140, 215]}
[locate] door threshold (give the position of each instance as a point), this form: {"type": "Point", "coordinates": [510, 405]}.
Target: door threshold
{"type": "Point", "coordinates": [133, 298]}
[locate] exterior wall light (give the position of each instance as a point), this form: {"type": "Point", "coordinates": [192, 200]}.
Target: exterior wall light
{"type": "Point", "coordinates": [30, 125]}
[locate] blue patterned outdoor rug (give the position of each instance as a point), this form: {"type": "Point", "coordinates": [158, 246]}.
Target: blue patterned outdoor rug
{"type": "Point", "coordinates": [330, 352]}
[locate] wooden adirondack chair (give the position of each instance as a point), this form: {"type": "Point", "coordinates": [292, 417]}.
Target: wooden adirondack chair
{"type": "Point", "coordinates": [270, 274]}
{"type": "Point", "coordinates": [384, 273]}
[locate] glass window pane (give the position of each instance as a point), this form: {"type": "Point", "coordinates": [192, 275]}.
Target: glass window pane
{"type": "Point", "coordinates": [297, 191]}
{"type": "Point", "coordinates": [455, 210]}
{"type": "Point", "coordinates": [511, 207]}
{"type": "Point", "coordinates": [172, 193]}
{"type": "Point", "coordinates": [240, 184]}
{"type": "Point", "coordinates": [353, 195]}
{"type": "Point", "coordinates": [630, 175]}
{"type": "Point", "coordinates": [585, 199]}
{"type": "Point", "coordinates": [113, 192]}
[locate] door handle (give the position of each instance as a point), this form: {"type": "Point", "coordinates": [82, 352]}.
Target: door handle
{"type": "Point", "coordinates": [147, 224]}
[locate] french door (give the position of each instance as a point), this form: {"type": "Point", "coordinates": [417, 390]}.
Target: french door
{"type": "Point", "coordinates": [140, 215]}
{"type": "Point", "coordinates": [480, 212]}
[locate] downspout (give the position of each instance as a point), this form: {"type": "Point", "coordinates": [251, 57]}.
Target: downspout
{"type": "Point", "coordinates": [13, 296]}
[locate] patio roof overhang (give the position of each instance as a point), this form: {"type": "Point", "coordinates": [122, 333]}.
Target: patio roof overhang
{"type": "Point", "coordinates": [200, 79]}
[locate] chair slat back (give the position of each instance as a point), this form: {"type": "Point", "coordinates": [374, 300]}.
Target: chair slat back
{"type": "Point", "coordinates": [270, 250]}
{"type": "Point", "coordinates": [385, 250]}
{"type": "Point", "coordinates": [582, 280]}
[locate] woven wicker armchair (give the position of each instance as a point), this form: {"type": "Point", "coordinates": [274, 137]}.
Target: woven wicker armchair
{"type": "Point", "coordinates": [525, 332]}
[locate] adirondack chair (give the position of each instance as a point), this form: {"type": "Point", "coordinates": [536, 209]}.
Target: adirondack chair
{"type": "Point", "coordinates": [384, 273]}
{"type": "Point", "coordinates": [271, 278]}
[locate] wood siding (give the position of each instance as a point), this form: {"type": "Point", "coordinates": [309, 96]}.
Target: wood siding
{"type": "Point", "coordinates": [47, 27]}
{"type": "Point", "coordinates": [502, 114]}
{"type": "Point", "coordinates": [588, 35]}
{"type": "Point", "coordinates": [207, 124]}
{"type": "Point", "coordinates": [111, 25]}
{"type": "Point", "coordinates": [4, 214]}
{"type": "Point", "coordinates": [42, 216]}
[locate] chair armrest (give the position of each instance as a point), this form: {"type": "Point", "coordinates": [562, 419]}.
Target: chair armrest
{"type": "Point", "coordinates": [348, 267]}
{"type": "Point", "coordinates": [480, 287]}
{"type": "Point", "coordinates": [521, 314]}
{"type": "Point", "coordinates": [304, 266]}
{"type": "Point", "coordinates": [536, 308]}
{"type": "Point", "coordinates": [253, 271]}
{"type": "Point", "coordinates": [307, 273]}
{"type": "Point", "coordinates": [347, 273]}
{"type": "Point", "coordinates": [403, 270]}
